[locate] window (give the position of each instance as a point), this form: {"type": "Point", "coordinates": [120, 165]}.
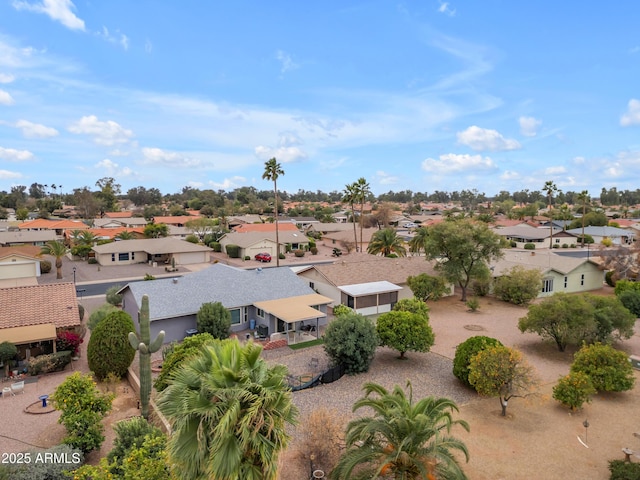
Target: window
{"type": "Point", "coordinates": [582, 279]}
{"type": "Point", "coordinates": [235, 316]}
{"type": "Point", "coordinates": [133, 255]}
{"type": "Point", "coordinates": [565, 281]}
{"type": "Point", "coordinates": [350, 302]}
{"type": "Point", "coordinates": [312, 285]}
{"type": "Point", "coordinates": [113, 257]}
{"type": "Point", "coordinates": [123, 257]}
{"type": "Point", "coordinates": [260, 312]}
{"type": "Point", "coordinates": [547, 285]}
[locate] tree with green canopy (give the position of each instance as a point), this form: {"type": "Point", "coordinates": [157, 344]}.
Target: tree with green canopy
{"type": "Point", "coordinates": [386, 242]}
{"type": "Point", "coordinates": [55, 249]}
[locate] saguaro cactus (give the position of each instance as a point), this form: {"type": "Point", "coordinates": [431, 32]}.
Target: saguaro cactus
{"type": "Point", "coordinates": [142, 343]}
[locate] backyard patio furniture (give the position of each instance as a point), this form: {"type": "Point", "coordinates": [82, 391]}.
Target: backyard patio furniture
{"type": "Point", "coordinates": [6, 391]}
{"type": "Point", "coordinates": [17, 387]}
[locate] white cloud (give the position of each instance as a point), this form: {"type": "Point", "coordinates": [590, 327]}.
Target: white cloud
{"type": "Point", "coordinates": [35, 130]}
{"type": "Point", "coordinates": [286, 62]}
{"type": "Point", "coordinates": [509, 175]}
{"type": "Point", "coordinates": [632, 117]}
{"type": "Point", "coordinates": [6, 175]}
{"type": "Point", "coordinates": [529, 126]}
{"type": "Point", "coordinates": [481, 139]}
{"type": "Point", "coordinates": [384, 178]}
{"type": "Point", "coordinates": [113, 169]}
{"type": "Point", "coordinates": [59, 10]}
{"type": "Point", "coordinates": [157, 156]}
{"type": "Point", "coordinates": [555, 170]}
{"type": "Point", "coordinates": [107, 133]}
{"type": "Point", "coordinates": [148, 46]}
{"type": "Point", "coordinates": [15, 155]}
{"type": "Point", "coordinates": [5, 98]}
{"type": "Point", "coordinates": [6, 78]}
{"type": "Point", "coordinates": [287, 150]}
{"type": "Point", "coordinates": [229, 183]}
{"type": "Point", "coordinates": [444, 8]}
{"type": "Point", "coordinates": [579, 160]}
{"type": "Point", "coordinates": [453, 163]}
{"type": "Point", "coordinates": [118, 38]}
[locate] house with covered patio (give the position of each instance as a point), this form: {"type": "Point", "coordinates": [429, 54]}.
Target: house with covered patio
{"type": "Point", "coordinates": [270, 302]}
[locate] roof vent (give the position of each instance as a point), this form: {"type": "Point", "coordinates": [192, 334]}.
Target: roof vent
{"type": "Point", "coordinates": [175, 280]}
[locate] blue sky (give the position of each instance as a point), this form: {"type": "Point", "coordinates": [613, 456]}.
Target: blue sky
{"type": "Point", "coordinates": [420, 95]}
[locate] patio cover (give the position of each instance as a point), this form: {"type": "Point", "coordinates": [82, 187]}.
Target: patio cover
{"type": "Point", "coordinates": [370, 288]}
{"type": "Point", "coordinates": [295, 309]}
{"type": "Point", "coordinates": [28, 334]}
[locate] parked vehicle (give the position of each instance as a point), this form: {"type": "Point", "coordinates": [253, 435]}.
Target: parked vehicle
{"type": "Point", "coordinates": [263, 257]}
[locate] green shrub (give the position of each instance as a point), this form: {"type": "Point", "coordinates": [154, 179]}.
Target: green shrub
{"type": "Point", "coordinates": [481, 286]}
{"type": "Point", "coordinates": [130, 435]}
{"type": "Point", "coordinates": [53, 362]}
{"type": "Point", "coordinates": [555, 245]}
{"type": "Point", "coordinates": [621, 470]}
{"type": "Point", "coordinates": [299, 253]}
{"type": "Point", "coordinates": [98, 315]}
{"type": "Point", "coordinates": [631, 300]}
{"type": "Point", "coordinates": [473, 304]}
{"type": "Point", "coordinates": [513, 244]}
{"type": "Point", "coordinates": [81, 311]}
{"type": "Point", "coordinates": [626, 285]}
{"type": "Point", "coordinates": [233, 251]}
{"type": "Point", "coordinates": [405, 331]}
{"type": "Point", "coordinates": [312, 243]}
{"type": "Point", "coordinates": [351, 341]}
{"type": "Point", "coordinates": [216, 246]}
{"type": "Point", "coordinates": [573, 390]}
{"type": "Point", "coordinates": [109, 349]}
{"type": "Point", "coordinates": [92, 260]}
{"type": "Point", "coordinates": [113, 297]}
{"type": "Point", "coordinates": [609, 369]}
{"type": "Point", "coordinates": [67, 459]}
{"type": "Point", "coordinates": [215, 319]}
{"type": "Point", "coordinates": [608, 278]}
{"type": "Point", "coordinates": [565, 245]}
{"type": "Point", "coordinates": [148, 277]}
{"type": "Point", "coordinates": [313, 250]}
{"type": "Point", "coordinates": [281, 256]}
{"type": "Point", "coordinates": [529, 246]}
{"type": "Point", "coordinates": [82, 409]}
{"type": "Point", "coordinates": [247, 258]}
{"type": "Point", "coordinates": [518, 286]}
{"type": "Point", "coordinates": [189, 347]}
{"type": "Point", "coordinates": [8, 351]}
{"type": "Point", "coordinates": [191, 238]}
{"type": "Point", "coordinates": [341, 309]}
{"type": "Point", "coordinates": [45, 266]}
{"type": "Point", "coordinates": [466, 351]}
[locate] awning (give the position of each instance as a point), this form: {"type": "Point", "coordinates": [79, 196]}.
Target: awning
{"type": "Point", "coordinates": [370, 288]}
{"type": "Point", "coordinates": [295, 309]}
{"type": "Point", "coordinates": [28, 334]}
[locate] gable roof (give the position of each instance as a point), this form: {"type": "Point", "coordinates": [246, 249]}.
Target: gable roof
{"type": "Point", "coordinates": [117, 214]}
{"type": "Point", "coordinates": [265, 227]}
{"type": "Point", "coordinates": [28, 236]}
{"type": "Point", "coordinates": [365, 268]}
{"type": "Point", "coordinates": [28, 251]}
{"type": "Point", "coordinates": [543, 261]}
{"type": "Point", "coordinates": [43, 223]}
{"type": "Point", "coordinates": [155, 246]}
{"type": "Point", "coordinates": [251, 238]}
{"type": "Point", "coordinates": [233, 287]}
{"type": "Point", "coordinates": [595, 231]}
{"type": "Point", "coordinates": [53, 303]}
{"type": "Point", "coordinates": [179, 220]}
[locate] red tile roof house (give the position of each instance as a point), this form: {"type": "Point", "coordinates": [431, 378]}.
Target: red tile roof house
{"type": "Point", "coordinates": [30, 316]}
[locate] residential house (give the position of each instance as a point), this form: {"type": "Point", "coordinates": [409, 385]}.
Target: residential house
{"type": "Point", "coordinates": [129, 222]}
{"type": "Point", "coordinates": [28, 237]}
{"type": "Point", "coordinates": [345, 239]}
{"type": "Point", "coordinates": [561, 273]}
{"type": "Point", "coordinates": [271, 300]}
{"type": "Point", "coordinates": [58, 226]}
{"type": "Point", "coordinates": [252, 243]}
{"type": "Point", "coordinates": [367, 283]}
{"type": "Point", "coordinates": [175, 220]}
{"type": "Point", "coordinates": [265, 227]}
{"type": "Point", "coordinates": [19, 266]}
{"type": "Point", "coordinates": [30, 316]}
{"type": "Point", "coordinates": [235, 220]}
{"type": "Point", "coordinates": [524, 233]}
{"type": "Point", "coordinates": [150, 250]}
{"type": "Point", "coordinates": [618, 236]}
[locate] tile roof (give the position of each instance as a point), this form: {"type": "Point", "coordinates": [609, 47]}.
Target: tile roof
{"type": "Point", "coordinates": [40, 223]}
{"type": "Point", "coordinates": [151, 245]}
{"type": "Point", "coordinates": [251, 238]}
{"type": "Point", "coordinates": [27, 236]}
{"type": "Point", "coordinates": [364, 268]}
{"type": "Point", "coordinates": [24, 250]}
{"type": "Point", "coordinates": [174, 220]}
{"type": "Point", "coordinates": [543, 261]}
{"type": "Point", "coordinates": [117, 214]}
{"type": "Point", "coordinates": [54, 303]}
{"type": "Point", "coordinates": [231, 286]}
{"type": "Point", "coordinates": [265, 227]}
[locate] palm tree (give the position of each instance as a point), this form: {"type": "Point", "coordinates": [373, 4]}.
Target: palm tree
{"type": "Point", "coordinates": [86, 237]}
{"type": "Point", "coordinates": [584, 199]}
{"type": "Point", "coordinates": [272, 170]}
{"type": "Point", "coordinates": [419, 240]}
{"type": "Point", "coordinates": [550, 188]}
{"type": "Point", "coordinates": [229, 412]}
{"type": "Point", "coordinates": [386, 242]}
{"type": "Point", "coordinates": [402, 439]}
{"type": "Point", "coordinates": [125, 235]}
{"type": "Point", "coordinates": [55, 249]}
{"type": "Point", "coordinates": [350, 196]}
{"type": "Point", "coordinates": [362, 191]}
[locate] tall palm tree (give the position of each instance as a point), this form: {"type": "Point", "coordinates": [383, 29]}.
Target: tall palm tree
{"type": "Point", "coordinates": [125, 235]}
{"type": "Point", "coordinates": [229, 411]}
{"type": "Point", "coordinates": [584, 199]}
{"type": "Point", "coordinates": [350, 196]}
{"type": "Point", "coordinates": [362, 191]}
{"type": "Point", "coordinates": [550, 188]}
{"type": "Point", "coordinates": [419, 240]}
{"type": "Point", "coordinates": [403, 439]}
{"type": "Point", "coordinates": [386, 242]}
{"type": "Point", "coordinates": [272, 170]}
{"type": "Point", "coordinates": [55, 249]}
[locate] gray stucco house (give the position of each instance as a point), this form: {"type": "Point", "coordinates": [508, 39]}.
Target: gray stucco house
{"type": "Point", "coordinates": [274, 298]}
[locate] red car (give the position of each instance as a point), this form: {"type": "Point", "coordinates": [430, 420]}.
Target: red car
{"type": "Point", "coordinates": [263, 257]}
